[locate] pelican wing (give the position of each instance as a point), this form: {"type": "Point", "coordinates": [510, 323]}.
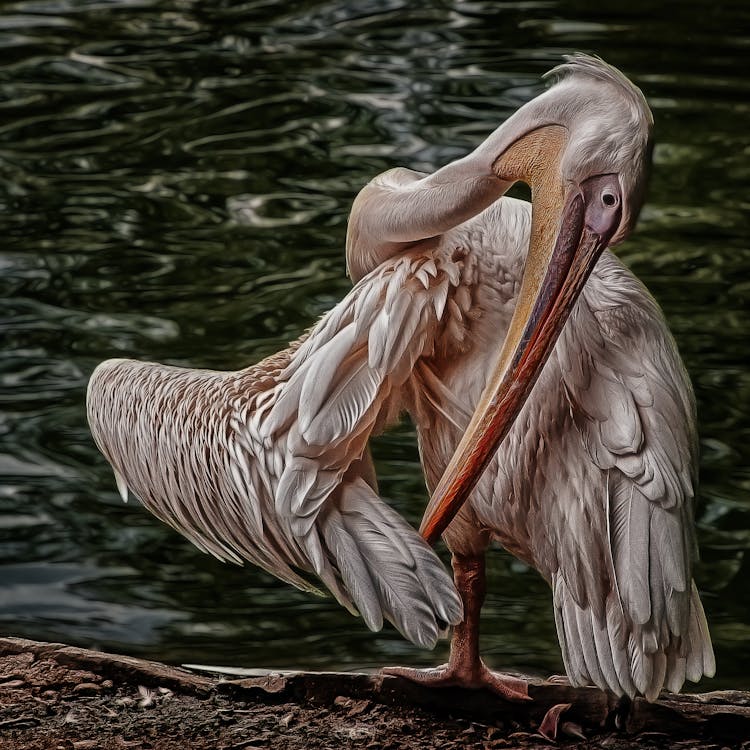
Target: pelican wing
{"type": "Point", "coordinates": [630, 399]}
{"type": "Point", "coordinates": [345, 382]}
{"type": "Point", "coordinates": [168, 434]}
{"type": "Point", "coordinates": [269, 464]}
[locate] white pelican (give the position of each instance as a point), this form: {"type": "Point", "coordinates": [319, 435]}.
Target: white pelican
{"type": "Point", "coordinates": [593, 483]}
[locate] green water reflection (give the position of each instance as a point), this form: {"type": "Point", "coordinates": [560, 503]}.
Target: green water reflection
{"type": "Point", "coordinates": [176, 179]}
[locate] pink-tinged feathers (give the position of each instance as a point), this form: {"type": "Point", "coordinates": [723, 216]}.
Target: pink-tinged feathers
{"type": "Point", "coordinates": [593, 484]}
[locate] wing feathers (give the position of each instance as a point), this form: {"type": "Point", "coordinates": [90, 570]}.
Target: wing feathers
{"type": "Point", "coordinates": [262, 464]}
{"type": "Point", "coordinates": [631, 404]}
{"type": "Point", "coordinates": [319, 376]}
{"type": "Point", "coordinates": [622, 658]}
{"type": "Point", "coordinates": [122, 486]}
{"type": "Point", "coordinates": [387, 568]}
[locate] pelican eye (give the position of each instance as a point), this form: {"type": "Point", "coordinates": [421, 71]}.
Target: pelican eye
{"type": "Point", "coordinates": [609, 199]}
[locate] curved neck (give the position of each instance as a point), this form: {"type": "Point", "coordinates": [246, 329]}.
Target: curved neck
{"type": "Point", "coordinates": [401, 207]}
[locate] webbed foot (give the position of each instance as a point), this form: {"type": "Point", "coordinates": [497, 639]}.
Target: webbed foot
{"type": "Point", "coordinates": [450, 675]}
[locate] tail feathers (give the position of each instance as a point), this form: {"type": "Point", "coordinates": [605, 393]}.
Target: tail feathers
{"type": "Point", "coordinates": [387, 571]}
{"type": "Point", "coordinates": [629, 659]}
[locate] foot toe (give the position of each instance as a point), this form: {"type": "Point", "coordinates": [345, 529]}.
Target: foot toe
{"type": "Point", "coordinates": [506, 686]}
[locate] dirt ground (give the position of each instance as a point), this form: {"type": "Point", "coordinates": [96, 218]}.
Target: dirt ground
{"type": "Point", "coordinates": [43, 705]}
{"type": "Point", "coordinates": [60, 700]}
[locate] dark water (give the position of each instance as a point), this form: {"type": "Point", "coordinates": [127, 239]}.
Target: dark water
{"type": "Point", "coordinates": [176, 179]}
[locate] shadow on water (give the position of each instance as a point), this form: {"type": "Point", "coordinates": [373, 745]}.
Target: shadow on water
{"type": "Point", "coordinates": [176, 182]}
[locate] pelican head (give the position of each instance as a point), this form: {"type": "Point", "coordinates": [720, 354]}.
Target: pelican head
{"type": "Point", "coordinates": [584, 147]}
{"type": "Point", "coordinates": [609, 127]}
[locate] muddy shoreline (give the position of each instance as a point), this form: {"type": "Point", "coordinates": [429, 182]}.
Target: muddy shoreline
{"type": "Point", "coordinates": [66, 698]}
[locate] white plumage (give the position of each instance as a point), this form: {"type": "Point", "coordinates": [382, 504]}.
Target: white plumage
{"type": "Point", "coordinates": [593, 484]}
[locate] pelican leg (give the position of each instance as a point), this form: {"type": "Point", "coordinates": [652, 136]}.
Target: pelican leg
{"type": "Point", "coordinates": [465, 668]}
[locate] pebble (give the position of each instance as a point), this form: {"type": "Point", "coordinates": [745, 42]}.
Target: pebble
{"type": "Point", "coordinates": [13, 684]}
{"type": "Point", "coordinates": [87, 688]}
{"type": "Point", "coordinates": [359, 707]}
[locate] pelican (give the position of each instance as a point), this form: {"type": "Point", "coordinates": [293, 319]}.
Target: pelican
{"type": "Point", "coordinates": [553, 413]}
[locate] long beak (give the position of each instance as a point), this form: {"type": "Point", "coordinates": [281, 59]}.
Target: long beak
{"type": "Point", "coordinates": [544, 304]}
